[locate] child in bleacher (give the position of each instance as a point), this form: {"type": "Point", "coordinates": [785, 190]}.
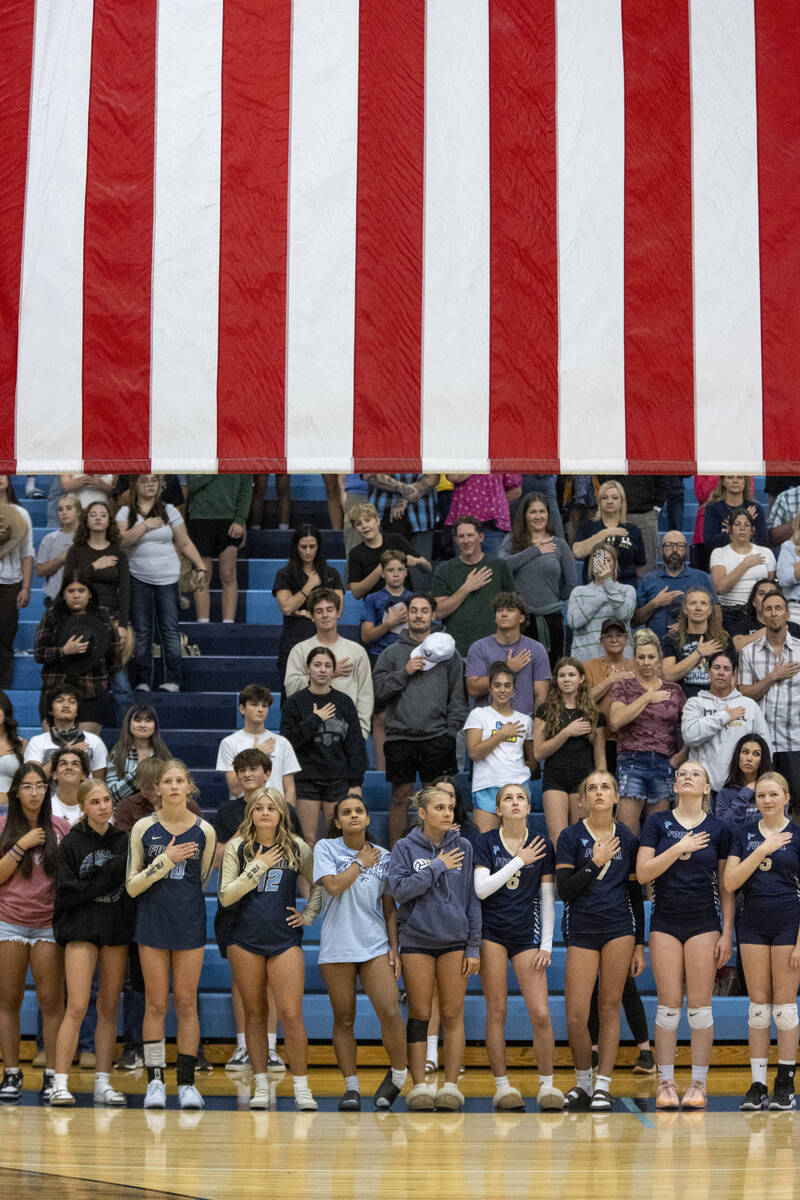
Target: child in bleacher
{"type": "Point", "coordinates": [52, 553]}
{"type": "Point", "coordinates": [254, 705]}
{"type": "Point", "coordinates": [384, 613]}
{"type": "Point", "coordinates": [500, 744]}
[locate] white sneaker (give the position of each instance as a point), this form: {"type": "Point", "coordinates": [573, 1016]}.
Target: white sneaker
{"type": "Point", "coordinates": [189, 1097]}
{"type": "Point", "coordinates": [260, 1098]}
{"type": "Point", "coordinates": [169, 687]}
{"type": "Point", "coordinates": [304, 1101]}
{"type": "Point", "coordinates": [238, 1060]}
{"type": "Point", "coordinates": [156, 1094]}
{"type": "Point", "coordinates": [105, 1096]}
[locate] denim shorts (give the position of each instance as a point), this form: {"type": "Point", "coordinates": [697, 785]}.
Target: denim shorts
{"type": "Point", "coordinates": [645, 775]}
{"type": "Point", "coordinates": [485, 798]}
{"type": "Point", "coordinates": [29, 935]}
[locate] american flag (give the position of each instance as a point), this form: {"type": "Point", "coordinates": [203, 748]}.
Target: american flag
{"type": "Point", "coordinates": [255, 235]}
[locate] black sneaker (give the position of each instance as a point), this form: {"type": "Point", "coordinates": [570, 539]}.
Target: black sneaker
{"type": "Point", "coordinates": [387, 1093]}
{"type": "Point", "coordinates": [11, 1087]}
{"type": "Point", "coordinates": [130, 1060]}
{"type": "Point", "coordinates": [755, 1099]}
{"type": "Point", "coordinates": [577, 1100]}
{"type": "Point", "coordinates": [645, 1063]}
{"type": "Point", "coordinates": [350, 1102]}
{"type": "Point", "coordinates": [782, 1098]}
{"type": "Point", "coordinates": [48, 1087]}
{"type": "Point", "coordinates": [202, 1063]}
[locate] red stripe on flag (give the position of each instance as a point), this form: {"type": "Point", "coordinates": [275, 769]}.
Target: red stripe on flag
{"type": "Point", "coordinates": [16, 38]}
{"type": "Point", "coordinates": [389, 228]}
{"type": "Point", "coordinates": [523, 406]}
{"type": "Point", "coordinates": [118, 241]}
{"type": "Point", "coordinates": [777, 74]}
{"type": "Point", "coordinates": [256, 61]}
{"type": "Point", "coordinates": [659, 363]}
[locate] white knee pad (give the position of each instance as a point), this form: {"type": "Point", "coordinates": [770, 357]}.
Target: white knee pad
{"type": "Point", "coordinates": [666, 1017]}
{"type": "Point", "coordinates": [758, 1016]}
{"type": "Point", "coordinates": [785, 1016]}
{"type": "Point", "coordinates": [700, 1018]}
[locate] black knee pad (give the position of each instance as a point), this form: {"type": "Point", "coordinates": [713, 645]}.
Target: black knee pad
{"type": "Point", "coordinates": [416, 1031]}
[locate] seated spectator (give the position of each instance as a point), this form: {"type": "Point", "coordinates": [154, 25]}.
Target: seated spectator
{"type": "Point", "coordinates": [715, 720]}
{"type": "Point", "coordinates": [487, 498]}
{"type": "Point", "coordinates": [732, 495]}
{"type": "Point", "coordinates": [782, 515]}
{"type": "Point", "coordinates": [364, 561]}
{"type": "Point", "coordinates": [699, 636]}
{"type": "Point", "coordinates": [52, 553]}
{"type": "Point", "coordinates": [543, 568]}
{"type": "Point", "coordinates": [63, 730]}
{"type": "Point", "coordinates": [306, 570]}
{"type": "Point", "coordinates": [69, 767]}
{"type": "Point", "coordinates": [659, 593]}
{"type": "Point", "coordinates": [736, 800]}
{"type": "Point", "coordinates": [16, 573]}
{"type": "Point", "coordinates": [603, 672]}
{"type": "Point", "coordinates": [611, 527]}
{"type": "Point", "coordinates": [139, 739]}
{"type": "Point", "coordinates": [217, 508]}
{"type": "Point", "coordinates": [592, 603]}
{"type": "Point", "coordinates": [76, 643]}
{"type": "Point", "coordinates": [384, 614]}
{"type": "Point", "coordinates": [12, 747]}
{"type": "Point", "coordinates": [644, 499]}
{"type": "Point", "coordinates": [734, 570]}
{"type": "Point", "coordinates": [755, 615]}
{"type": "Point", "coordinates": [522, 655]}
{"type": "Point", "coordinates": [352, 670]}
{"type": "Point", "coordinates": [254, 705]}
{"type": "Point", "coordinates": [500, 744]}
{"type": "Point", "coordinates": [789, 570]}
{"type": "Point", "coordinates": [406, 505]}
{"type": "Point", "coordinates": [465, 586]}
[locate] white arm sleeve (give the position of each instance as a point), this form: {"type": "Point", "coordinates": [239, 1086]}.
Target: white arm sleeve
{"type": "Point", "coordinates": [487, 884]}
{"type": "Point", "coordinates": [547, 893]}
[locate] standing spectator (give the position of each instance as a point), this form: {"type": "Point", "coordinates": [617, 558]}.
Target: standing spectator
{"type": "Point", "coordinates": [543, 568]}
{"type": "Point", "coordinates": [644, 499]}
{"type": "Point", "coordinates": [674, 499]}
{"type": "Point", "coordinates": [89, 488]}
{"type": "Point", "coordinates": [63, 729]}
{"type": "Point", "coordinates": [52, 553]}
{"type": "Point", "coordinates": [139, 739]}
{"type": "Point", "coordinates": [612, 528]}
{"type": "Point", "coordinates": [734, 570]}
{"type": "Point", "coordinates": [545, 485]}
{"type": "Point", "coordinates": [524, 656]}
{"type": "Point", "coordinates": [732, 496]}
{"type": "Point", "coordinates": [364, 561]}
{"type": "Point", "coordinates": [485, 497]}
{"type": "Point", "coordinates": [217, 508]}
{"type": "Point", "coordinates": [16, 573]}
{"type": "Point", "coordinates": [500, 744]}
{"type": "Point", "coordinates": [352, 675]}
{"type": "Point", "coordinates": [769, 672]}
{"type": "Point", "coordinates": [306, 570]}
{"type": "Point", "coordinates": [659, 593]}
{"type": "Point", "coordinates": [699, 636]}
{"type": "Point", "coordinates": [406, 504]}
{"type": "Point", "coordinates": [789, 570]}
{"type": "Point", "coordinates": [12, 747]}
{"type": "Point", "coordinates": [592, 603]}
{"type": "Point", "coordinates": [714, 721]}
{"type": "Point", "coordinates": [465, 586]}
{"type": "Point", "coordinates": [422, 688]}
{"type": "Point", "coordinates": [254, 706]}
{"type": "Point", "coordinates": [736, 801]}
{"type": "Point", "coordinates": [782, 515]}
{"type": "Point", "coordinates": [353, 490]}
{"type": "Point", "coordinates": [603, 672]}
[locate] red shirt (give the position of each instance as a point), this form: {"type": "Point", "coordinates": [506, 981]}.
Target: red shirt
{"type": "Point", "coordinates": [657, 728]}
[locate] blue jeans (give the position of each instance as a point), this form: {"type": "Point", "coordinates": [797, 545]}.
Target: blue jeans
{"type": "Point", "coordinates": [121, 693]}
{"type": "Point", "coordinates": [151, 604]}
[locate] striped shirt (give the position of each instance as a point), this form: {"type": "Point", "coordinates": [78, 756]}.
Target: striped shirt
{"type": "Point", "coordinates": [785, 508]}
{"type": "Point", "coordinates": [780, 704]}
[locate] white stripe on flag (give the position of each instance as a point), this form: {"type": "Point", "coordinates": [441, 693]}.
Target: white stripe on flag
{"type": "Point", "coordinates": [50, 356]}
{"type": "Point", "coordinates": [727, 302]}
{"type": "Point", "coordinates": [322, 236]}
{"type": "Point", "coordinates": [590, 110]}
{"type": "Point", "coordinates": [183, 420]}
{"type": "Point", "coordinates": [455, 340]}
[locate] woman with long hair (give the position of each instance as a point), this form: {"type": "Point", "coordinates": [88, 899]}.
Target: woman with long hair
{"type": "Point", "coordinates": [733, 494]}
{"type": "Point", "coordinates": [735, 804]}
{"type": "Point", "coordinates": [139, 738]}
{"type": "Point", "coordinates": [29, 838]}
{"type": "Point", "coordinates": [359, 941]}
{"type": "Point", "coordinates": [569, 735]}
{"type": "Point", "coordinates": [593, 603]}
{"type": "Point", "coordinates": [12, 747]}
{"type": "Point", "coordinates": [259, 874]}
{"type": "Point", "coordinates": [699, 635]}
{"type": "Point", "coordinates": [543, 567]}
{"type": "Point", "coordinates": [306, 569]}
{"type": "Point", "coordinates": [735, 568]}
{"type": "Point", "coordinates": [611, 527]}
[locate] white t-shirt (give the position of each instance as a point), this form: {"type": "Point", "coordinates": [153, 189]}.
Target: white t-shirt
{"type": "Point", "coordinates": [51, 545]}
{"type": "Point", "coordinates": [70, 812]}
{"type": "Point", "coordinates": [41, 749]}
{"type": "Point", "coordinates": [284, 759]}
{"type": "Point", "coordinates": [506, 763]}
{"type": "Point", "coordinates": [726, 556]}
{"type": "Point", "coordinates": [353, 928]}
{"type": "Point", "coordinates": [87, 495]}
{"type": "Point", "coordinates": [154, 559]}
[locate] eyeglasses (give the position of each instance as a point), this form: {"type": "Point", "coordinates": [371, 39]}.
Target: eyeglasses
{"type": "Point", "coordinates": [33, 787]}
{"type": "Point", "coordinates": [673, 545]}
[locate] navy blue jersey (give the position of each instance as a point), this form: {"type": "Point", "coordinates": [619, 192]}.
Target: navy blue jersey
{"type": "Point", "coordinates": [776, 879]}
{"type": "Point", "coordinates": [171, 908]}
{"type": "Point", "coordinates": [513, 912]}
{"type": "Point", "coordinates": [691, 883]}
{"type": "Point", "coordinates": [604, 904]}
{"type": "Point", "coordinates": [262, 897]}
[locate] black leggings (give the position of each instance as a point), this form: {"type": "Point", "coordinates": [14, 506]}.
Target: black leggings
{"type": "Point", "coordinates": [634, 1013]}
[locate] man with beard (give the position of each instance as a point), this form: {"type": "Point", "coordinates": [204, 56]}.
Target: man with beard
{"type": "Point", "coordinates": [659, 593]}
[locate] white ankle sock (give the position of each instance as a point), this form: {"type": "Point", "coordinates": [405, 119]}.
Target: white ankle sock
{"type": "Point", "coordinates": [61, 1082]}
{"type": "Point", "coordinates": [602, 1083]}
{"type": "Point", "coordinates": [299, 1081]}
{"type": "Point", "coordinates": [399, 1077]}
{"type": "Point", "coordinates": [240, 1042]}
{"type": "Point", "coordinates": [500, 1081]}
{"type": "Point", "coordinates": [351, 1083]}
{"type": "Point", "coordinates": [545, 1081]}
{"type": "Point", "coordinates": [666, 1074]}
{"type": "Point", "coordinates": [432, 1053]}
{"type": "Point", "coordinates": [272, 1040]}
{"type": "Point", "coordinates": [699, 1074]}
{"type": "Point", "coordinates": [758, 1069]}
{"type": "Point", "coordinates": [584, 1080]}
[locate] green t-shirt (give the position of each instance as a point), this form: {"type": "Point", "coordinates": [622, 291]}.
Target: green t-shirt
{"type": "Point", "coordinates": [474, 618]}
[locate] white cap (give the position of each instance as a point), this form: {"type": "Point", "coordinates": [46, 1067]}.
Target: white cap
{"type": "Point", "coordinates": [436, 648]}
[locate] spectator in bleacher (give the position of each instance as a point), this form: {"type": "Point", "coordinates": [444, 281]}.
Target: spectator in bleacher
{"type": "Point", "coordinates": [353, 490]}
{"type": "Point", "coordinates": [283, 494]}
{"type": "Point", "coordinates": [687, 654]}
{"type": "Point", "coordinates": [732, 495]}
{"type": "Point", "coordinates": [352, 674]}
{"type": "Point", "coordinates": [487, 498]}
{"type": "Point", "coordinates": [12, 747]}
{"type": "Point", "coordinates": [76, 643]}
{"type": "Point", "coordinates": [465, 586]}
{"type": "Point", "coordinates": [364, 561]}
{"type": "Point", "coordinates": [736, 567]}
{"type": "Point", "coordinates": [736, 800]}
{"type": "Point", "coordinates": [154, 535]}
{"type": "Point", "coordinates": [644, 499]}
{"type": "Point", "coordinates": [590, 604]}
{"type": "Point", "coordinates": [306, 570]}
{"type": "Point", "coordinates": [16, 573]}
{"type": "Point", "coordinates": [63, 730]}
{"type": "Point", "coordinates": [500, 744]}
{"type": "Point", "coordinates": [755, 615]}
{"type": "Point", "coordinates": [68, 770]}
{"type": "Point", "coordinates": [406, 504]}
{"type": "Point", "coordinates": [547, 486]}
{"type": "Point", "coordinates": [323, 726]}
{"type": "Point", "coordinates": [88, 488]}
{"type": "Point", "coordinates": [526, 657]}
{"type": "Point", "coordinates": [139, 739]}
{"type": "Point", "coordinates": [782, 515]}
{"type": "Point", "coordinates": [715, 719]}
{"type": "Point", "coordinates": [543, 567]}
{"type": "Point", "coordinates": [789, 570]}
{"type": "Point", "coordinates": [611, 527]}
{"type": "Point", "coordinates": [422, 689]}
{"type": "Point", "coordinates": [52, 553]}
{"type": "Point", "coordinates": [254, 706]}
{"type": "Point", "coordinates": [384, 614]}
{"type": "Point", "coordinates": [674, 499]}
{"type": "Point", "coordinates": [217, 508]}
{"type": "Point", "coordinates": [659, 593]}
{"type": "Point", "coordinates": [603, 672]}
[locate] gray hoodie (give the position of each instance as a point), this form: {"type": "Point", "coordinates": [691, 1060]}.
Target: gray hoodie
{"type": "Point", "coordinates": [425, 705]}
{"type": "Point", "coordinates": [711, 735]}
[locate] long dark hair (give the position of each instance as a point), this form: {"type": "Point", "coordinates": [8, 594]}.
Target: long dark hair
{"type": "Point", "coordinates": [125, 742]}
{"type": "Point", "coordinates": [752, 615]}
{"type": "Point", "coordinates": [10, 725]}
{"type": "Point", "coordinates": [735, 777]}
{"type": "Point", "coordinates": [61, 609]}
{"type": "Point", "coordinates": [320, 563]}
{"type": "Point", "coordinates": [520, 537]}
{"type": "Point", "coordinates": [17, 823]}
{"type": "Point", "coordinates": [82, 533]}
{"type": "Point", "coordinates": [333, 829]}
{"type": "Point", "coordinates": [159, 508]}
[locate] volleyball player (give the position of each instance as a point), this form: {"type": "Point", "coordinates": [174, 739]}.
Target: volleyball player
{"type": "Point", "coordinates": [765, 863]}
{"type": "Point", "coordinates": [93, 920]}
{"type": "Point", "coordinates": [359, 940]}
{"type": "Point", "coordinates": [683, 854]}
{"type": "Point", "coordinates": [603, 928]}
{"type": "Point", "coordinates": [260, 869]}
{"type": "Point", "coordinates": [514, 880]}
{"type": "Point", "coordinates": [170, 858]}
